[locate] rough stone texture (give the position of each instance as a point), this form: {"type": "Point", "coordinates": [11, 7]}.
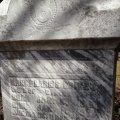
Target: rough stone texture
{"type": "Point", "coordinates": [68, 84]}
{"type": "Point", "coordinates": [59, 19]}
{"type": "Point", "coordinates": [4, 5]}
{"type": "Point", "coordinates": [57, 85]}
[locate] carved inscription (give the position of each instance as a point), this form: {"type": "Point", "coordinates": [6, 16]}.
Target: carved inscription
{"type": "Point", "coordinates": [49, 99]}
{"type": "Point", "coordinates": [42, 12]}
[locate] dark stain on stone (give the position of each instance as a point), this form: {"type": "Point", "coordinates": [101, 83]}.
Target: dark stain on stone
{"type": "Point", "coordinates": [1, 1]}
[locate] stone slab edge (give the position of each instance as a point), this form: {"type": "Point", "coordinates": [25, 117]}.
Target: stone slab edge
{"type": "Point", "coordinates": [54, 44]}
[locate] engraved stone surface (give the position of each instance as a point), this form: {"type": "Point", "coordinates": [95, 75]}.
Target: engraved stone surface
{"type": "Point", "coordinates": [57, 85]}
{"type": "Point", "coordinates": [59, 19]}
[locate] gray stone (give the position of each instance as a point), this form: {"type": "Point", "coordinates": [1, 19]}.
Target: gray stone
{"type": "Point", "coordinates": [54, 19]}
{"type": "Point", "coordinates": [57, 85]}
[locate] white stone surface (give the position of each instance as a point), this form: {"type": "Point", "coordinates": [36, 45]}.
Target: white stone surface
{"type": "Point", "coordinates": [57, 85]}
{"type": "Point", "coordinates": [59, 19]}
{"type": "Point", "coordinates": [4, 5]}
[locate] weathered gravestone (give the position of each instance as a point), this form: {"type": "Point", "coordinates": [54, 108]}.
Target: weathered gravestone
{"type": "Point", "coordinates": [58, 84]}
{"type": "Point", "coordinates": [59, 79]}
{"type": "Point", "coordinates": [58, 19]}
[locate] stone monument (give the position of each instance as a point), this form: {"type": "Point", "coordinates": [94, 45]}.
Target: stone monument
{"type": "Point", "coordinates": [55, 84]}
{"type": "Point", "coordinates": [50, 69]}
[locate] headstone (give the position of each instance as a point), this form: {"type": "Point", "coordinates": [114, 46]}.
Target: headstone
{"type": "Point", "coordinates": [57, 85]}
{"type": "Point", "coordinates": [49, 81]}
{"type": "Point", "coordinates": [58, 19]}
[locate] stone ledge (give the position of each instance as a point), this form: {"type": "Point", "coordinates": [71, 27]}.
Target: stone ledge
{"type": "Point", "coordinates": [83, 43]}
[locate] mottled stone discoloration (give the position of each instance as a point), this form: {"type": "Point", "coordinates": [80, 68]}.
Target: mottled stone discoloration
{"type": "Point", "coordinates": [58, 85]}
{"type": "Point", "coordinates": [64, 19]}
